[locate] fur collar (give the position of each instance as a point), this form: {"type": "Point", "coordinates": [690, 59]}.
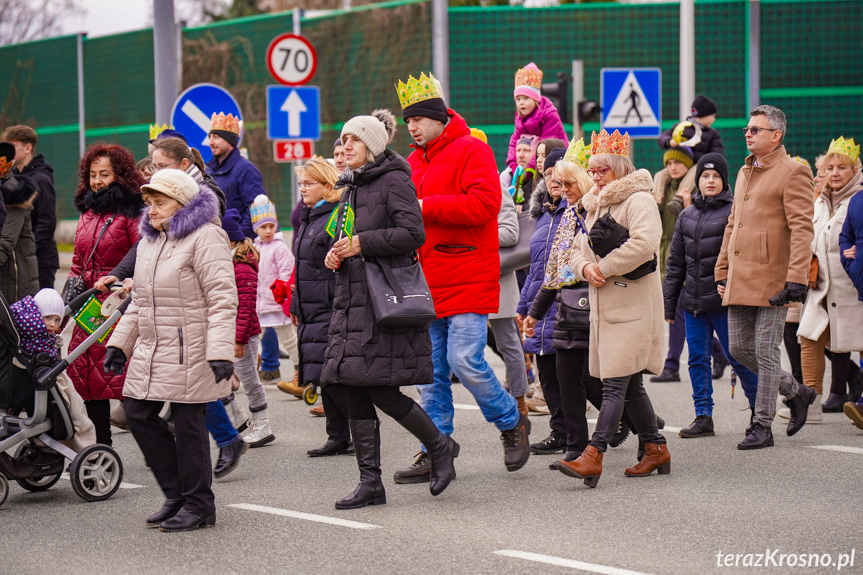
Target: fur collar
{"type": "Point", "coordinates": [112, 199]}
{"type": "Point", "coordinates": [618, 190]}
{"type": "Point", "coordinates": [18, 192]}
{"type": "Point", "coordinates": [203, 209]}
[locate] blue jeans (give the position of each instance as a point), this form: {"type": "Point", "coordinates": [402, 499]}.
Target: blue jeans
{"type": "Point", "coordinates": [219, 425]}
{"type": "Point", "coordinates": [699, 339]}
{"type": "Point", "coordinates": [458, 346]}
{"type": "Point", "coordinates": [269, 350]}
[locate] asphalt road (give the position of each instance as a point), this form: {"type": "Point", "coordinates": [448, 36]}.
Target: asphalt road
{"type": "Point", "coordinates": [273, 510]}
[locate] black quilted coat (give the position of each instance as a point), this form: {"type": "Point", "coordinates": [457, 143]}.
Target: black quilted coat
{"type": "Point", "coordinates": [389, 225]}
{"type": "Point", "coordinates": [695, 248]}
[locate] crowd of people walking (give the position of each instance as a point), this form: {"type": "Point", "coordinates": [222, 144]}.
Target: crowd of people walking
{"type": "Point", "coordinates": [395, 278]}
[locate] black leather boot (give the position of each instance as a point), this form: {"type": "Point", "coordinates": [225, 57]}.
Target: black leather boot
{"type": "Point", "coordinates": [701, 427]}
{"type": "Point", "coordinates": [442, 450]}
{"type": "Point", "coordinates": [367, 448]}
{"type": "Point", "coordinates": [229, 457]}
{"type": "Point", "coordinates": [332, 447]}
{"type": "Point", "coordinates": [168, 510]}
{"type": "Point", "coordinates": [799, 406]}
{"type": "Point", "coordinates": [186, 520]}
{"type": "Point", "coordinates": [758, 437]}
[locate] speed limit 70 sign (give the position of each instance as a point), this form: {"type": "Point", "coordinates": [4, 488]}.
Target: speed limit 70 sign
{"type": "Point", "coordinates": [292, 60]}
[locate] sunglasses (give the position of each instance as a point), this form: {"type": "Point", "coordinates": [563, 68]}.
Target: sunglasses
{"type": "Point", "coordinates": [755, 129]}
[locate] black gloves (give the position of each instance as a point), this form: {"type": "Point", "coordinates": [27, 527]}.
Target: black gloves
{"type": "Point", "coordinates": [792, 293]}
{"type": "Point", "coordinates": [722, 283]}
{"type": "Point", "coordinates": [115, 361]}
{"type": "Point", "coordinates": [222, 369]}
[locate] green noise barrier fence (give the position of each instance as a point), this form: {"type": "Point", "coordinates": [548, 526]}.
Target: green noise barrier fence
{"type": "Point", "coordinates": [811, 67]}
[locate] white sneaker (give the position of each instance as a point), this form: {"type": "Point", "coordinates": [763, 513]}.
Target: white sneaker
{"type": "Point", "coordinates": [260, 433]}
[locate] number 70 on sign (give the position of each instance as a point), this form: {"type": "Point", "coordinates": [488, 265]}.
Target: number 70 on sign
{"type": "Point", "coordinates": [291, 60]}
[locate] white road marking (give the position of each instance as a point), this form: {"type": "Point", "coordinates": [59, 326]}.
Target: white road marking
{"type": "Point", "coordinates": [123, 485]}
{"type": "Point", "coordinates": [200, 118]}
{"type": "Point", "coordinates": [465, 406]}
{"type": "Point", "coordinates": [840, 448]}
{"type": "Point", "coordinates": [305, 516]}
{"type": "Point", "coordinates": [570, 563]}
{"type": "Point", "coordinates": [668, 428]}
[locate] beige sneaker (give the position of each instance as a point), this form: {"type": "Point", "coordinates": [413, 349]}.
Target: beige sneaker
{"type": "Point", "coordinates": [537, 405]}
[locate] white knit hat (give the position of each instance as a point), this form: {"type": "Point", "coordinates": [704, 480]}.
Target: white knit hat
{"type": "Point", "coordinates": [175, 184]}
{"type": "Point", "coordinates": [375, 131]}
{"type": "Point", "coordinates": [49, 302]}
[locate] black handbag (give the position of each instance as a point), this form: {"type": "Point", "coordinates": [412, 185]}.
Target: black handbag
{"type": "Point", "coordinates": [400, 296]}
{"type": "Point", "coordinates": [573, 309]}
{"type": "Point", "coordinates": [518, 256]}
{"type": "Point", "coordinates": [75, 285]}
{"type": "Point", "coordinates": [607, 235]}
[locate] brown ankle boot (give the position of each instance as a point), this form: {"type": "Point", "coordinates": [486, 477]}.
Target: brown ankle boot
{"type": "Point", "coordinates": [588, 466]}
{"type": "Point", "coordinates": [655, 457]}
{"type": "Point", "coordinates": [522, 405]}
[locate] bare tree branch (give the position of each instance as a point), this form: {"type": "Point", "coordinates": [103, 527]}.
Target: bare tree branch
{"type": "Point", "coordinates": [26, 20]}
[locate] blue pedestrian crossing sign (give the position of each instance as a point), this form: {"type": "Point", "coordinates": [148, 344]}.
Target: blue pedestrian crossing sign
{"type": "Point", "coordinates": [194, 108]}
{"type": "Point", "coordinates": [293, 112]}
{"type": "Point", "coordinates": [632, 101]}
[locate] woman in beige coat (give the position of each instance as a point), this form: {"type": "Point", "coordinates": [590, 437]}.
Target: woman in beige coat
{"type": "Point", "coordinates": [626, 315]}
{"type": "Point", "coordinates": [181, 327]}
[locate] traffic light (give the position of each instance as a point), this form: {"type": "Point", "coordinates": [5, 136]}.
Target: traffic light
{"type": "Point", "coordinates": [557, 92]}
{"type": "Point", "coordinates": [588, 111]}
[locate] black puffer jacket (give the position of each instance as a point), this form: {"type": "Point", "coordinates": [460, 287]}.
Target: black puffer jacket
{"type": "Point", "coordinates": [695, 248]}
{"type": "Point", "coordinates": [19, 272]}
{"type": "Point", "coordinates": [44, 216]}
{"type": "Point", "coordinates": [389, 225]}
{"type": "Point", "coordinates": [572, 321]}
{"type": "Point", "coordinates": [315, 286]}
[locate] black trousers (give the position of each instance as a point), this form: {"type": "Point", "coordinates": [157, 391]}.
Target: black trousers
{"type": "Point", "coordinates": [548, 379]}
{"type": "Point", "coordinates": [336, 412]}
{"type": "Point", "coordinates": [362, 401]}
{"type": "Point", "coordinates": [576, 387]}
{"type": "Point", "coordinates": [627, 391]}
{"type": "Point", "coordinates": [792, 346]}
{"type": "Point", "coordinates": [99, 412]}
{"type": "Point", "coordinates": [182, 466]}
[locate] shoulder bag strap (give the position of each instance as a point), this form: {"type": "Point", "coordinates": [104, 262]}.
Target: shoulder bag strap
{"type": "Point", "coordinates": [96, 245]}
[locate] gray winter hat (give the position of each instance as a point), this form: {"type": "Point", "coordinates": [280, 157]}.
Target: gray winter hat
{"type": "Point", "coordinates": [375, 131]}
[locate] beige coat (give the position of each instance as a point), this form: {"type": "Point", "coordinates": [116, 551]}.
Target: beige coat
{"type": "Point", "coordinates": [183, 311]}
{"type": "Point", "coordinates": [833, 304]}
{"type": "Point", "coordinates": [769, 233]}
{"type": "Point", "coordinates": [627, 329]}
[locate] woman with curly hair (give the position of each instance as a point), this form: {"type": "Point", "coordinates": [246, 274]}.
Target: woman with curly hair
{"type": "Point", "coordinates": [109, 199]}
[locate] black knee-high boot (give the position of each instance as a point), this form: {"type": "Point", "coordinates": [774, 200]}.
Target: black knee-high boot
{"type": "Point", "coordinates": [367, 447]}
{"type": "Point", "coordinates": [442, 450]}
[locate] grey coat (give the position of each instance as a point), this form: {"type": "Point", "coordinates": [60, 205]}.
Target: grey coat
{"type": "Point", "coordinates": [507, 233]}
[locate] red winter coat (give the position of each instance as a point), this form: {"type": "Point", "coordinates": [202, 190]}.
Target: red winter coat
{"type": "Point", "coordinates": [87, 372]}
{"type": "Point", "coordinates": [248, 325]}
{"type": "Point", "coordinates": [456, 179]}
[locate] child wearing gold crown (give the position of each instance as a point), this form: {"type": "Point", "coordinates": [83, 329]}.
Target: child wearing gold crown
{"type": "Point", "coordinates": [535, 115]}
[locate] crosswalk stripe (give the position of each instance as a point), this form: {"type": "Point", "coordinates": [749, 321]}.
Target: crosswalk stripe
{"type": "Point", "coordinates": [304, 516]}
{"type": "Point", "coordinates": [570, 563]}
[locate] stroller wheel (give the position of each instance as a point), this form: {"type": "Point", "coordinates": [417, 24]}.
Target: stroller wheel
{"type": "Point", "coordinates": [310, 395]}
{"type": "Point", "coordinates": [96, 473]}
{"type": "Point", "coordinates": [4, 489]}
{"type": "Point", "coordinates": [34, 484]}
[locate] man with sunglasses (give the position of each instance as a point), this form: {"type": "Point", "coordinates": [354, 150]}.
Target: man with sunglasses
{"type": "Point", "coordinates": [764, 265]}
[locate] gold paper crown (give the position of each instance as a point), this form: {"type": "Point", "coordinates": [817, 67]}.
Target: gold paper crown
{"type": "Point", "coordinates": [801, 160]}
{"type": "Point", "coordinates": [847, 147]}
{"type": "Point", "coordinates": [530, 75]}
{"type": "Point", "coordinates": [156, 129]}
{"type": "Point", "coordinates": [5, 166]}
{"type": "Point", "coordinates": [228, 123]}
{"type": "Point", "coordinates": [426, 88]}
{"type": "Point", "coordinates": [614, 144]}
{"type": "Point", "coordinates": [577, 153]}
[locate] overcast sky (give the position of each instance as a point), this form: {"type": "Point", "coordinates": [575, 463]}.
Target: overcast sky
{"type": "Point", "coordinates": [104, 17]}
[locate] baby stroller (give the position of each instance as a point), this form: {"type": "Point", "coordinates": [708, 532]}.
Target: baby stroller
{"type": "Point", "coordinates": [28, 383]}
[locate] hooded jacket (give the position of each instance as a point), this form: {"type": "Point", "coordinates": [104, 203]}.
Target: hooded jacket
{"type": "Point", "coordinates": [314, 289]}
{"type": "Point", "coordinates": [544, 122]}
{"type": "Point", "coordinates": [44, 215]}
{"type": "Point", "coordinates": [456, 178]}
{"type": "Point", "coordinates": [627, 330]}
{"type": "Point", "coordinates": [19, 272]}
{"type": "Point", "coordinates": [88, 372]}
{"type": "Point", "coordinates": [276, 263]}
{"type": "Point", "coordinates": [548, 217]}
{"type": "Point", "coordinates": [246, 275]}
{"type": "Point", "coordinates": [184, 308]}
{"type": "Point", "coordinates": [389, 224]}
{"type": "Point", "coordinates": [241, 183]}
{"type": "Point", "coordinates": [695, 248]}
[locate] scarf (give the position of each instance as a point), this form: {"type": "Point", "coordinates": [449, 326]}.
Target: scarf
{"type": "Point", "coordinates": [196, 174]}
{"type": "Point", "coordinates": [835, 197]}
{"type": "Point", "coordinates": [559, 271]}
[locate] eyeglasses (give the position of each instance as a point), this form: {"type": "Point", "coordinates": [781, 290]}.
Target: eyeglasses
{"type": "Point", "coordinates": [157, 167]}
{"type": "Point", "coordinates": [597, 172]}
{"type": "Point", "coordinates": [755, 129]}
{"type": "Point", "coordinates": [307, 185]}
{"type": "Point", "coordinates": [565, 183]}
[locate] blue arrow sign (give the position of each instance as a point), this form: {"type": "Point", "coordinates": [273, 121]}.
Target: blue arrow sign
{"type": "Point", "coordinates": [293, 113]}
{"type": "Point", "coordinates": [194, 108]}
{"type": "Point", "coordinates": [632, 101]}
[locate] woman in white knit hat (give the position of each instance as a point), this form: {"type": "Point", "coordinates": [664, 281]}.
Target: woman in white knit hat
{"type": "Point", "coordinates": [369, 362]}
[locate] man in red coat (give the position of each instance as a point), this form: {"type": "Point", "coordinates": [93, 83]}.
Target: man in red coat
{"type": "Point", "coordinates": [458, 189]}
